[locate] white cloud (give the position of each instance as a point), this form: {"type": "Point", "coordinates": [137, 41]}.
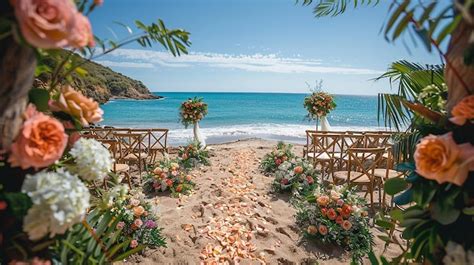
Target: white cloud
{"type": "Point", "coordinates": [254, 63]}
{"type": "Point", "coordinates": [125, 64]}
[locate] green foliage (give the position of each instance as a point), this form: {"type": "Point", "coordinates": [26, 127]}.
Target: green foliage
{"type": "Point", "coordinates": [18, 203]}
{"type": "Point", "coordinates": [336, 7]}
{"type": "Point", "coordinates": [193, 155]}
{"type": "Point", "coordinates": [281, 153]}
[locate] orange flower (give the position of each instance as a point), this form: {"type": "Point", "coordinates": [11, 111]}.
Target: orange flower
{"type": "Point", "coordinates": [138, 211]}
{"type": "Point", "coordinates": [77, 105]}
{"type": "Point", "coordinates": [323, 230]}
{"type": "Point", "coordinates": [440, 158]}
{"type": "Point", "coordinates": [179, 188]}
{"type": "Point", "coordinates": [463, 111]}
{"type": "Point", "coordinates": [298, 170]}
{"type": "Point", "coordinates": [331, 214]}
{"type": "Point", "coordinates": [339, 220]}
{"type": "Point", "coordinates": [169, 182]}
{"type": "Point", "coordinates": [312, 230]}
{"type": "Point", "coordinates": [346, 225]}
{"type": "Point", "coordinates": [346, 210]}
{"type": "Point", "coordinates": [40, 143]}
{"type": "Point", "coordinates": [323, 200]}
{"type": "Point", "coordinates": [157, 171]}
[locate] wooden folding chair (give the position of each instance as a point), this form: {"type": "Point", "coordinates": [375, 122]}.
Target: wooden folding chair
{"type": "Point", "coordinates": [131, 149]}
{"type": "Point", "coordinates": [361, 171]}
{"type": "Point", "coordinates": [119, 168]}
{"type": "Point", "coordinates": [155, 141]}
{"type": "Point", "coordinates": [388, 171]}
{"type": "Point", "coordinates": [374, 140]}
{"type": "Point", "coordinates": [349, 141]}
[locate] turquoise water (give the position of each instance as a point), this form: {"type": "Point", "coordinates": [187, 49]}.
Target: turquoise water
{"type": "Point", "coordinates": [241, 115]}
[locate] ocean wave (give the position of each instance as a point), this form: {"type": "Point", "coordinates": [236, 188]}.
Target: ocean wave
{"type": "Point", "coordinates": [287, 132]}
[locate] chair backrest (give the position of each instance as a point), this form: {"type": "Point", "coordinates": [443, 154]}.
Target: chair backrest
{"type": "Point", "coordinates": [363, 162]}
{"type": "Point", "coordinates": [154, 138]}
{"type": "Point", "coordinates": [374, 140]}
{"type": "Point", "coordinates": [129, 145]}
{"type": "Point", "coordinates": [324, 145]}
{"type": "Point", "coordinates": [349, 141]}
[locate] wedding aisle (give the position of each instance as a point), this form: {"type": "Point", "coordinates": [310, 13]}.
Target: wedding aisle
{"type": "Point", "coordinates": [232, 216]}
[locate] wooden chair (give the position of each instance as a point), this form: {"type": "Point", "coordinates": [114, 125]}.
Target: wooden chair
{"type": "Point", "coordinates": [388, 171]}
{"type": "Point", "coordinates": [349, 141]}
{"type": "Point", "coordinates": [119, 168]}
{"type": "Point", "coordinates": [131, 149]}
{"type": "Point", "coordinates": [377, 139]}
{"type": "Point", "coordinates": [155, 141]}
{"type": "Point", "coordinates": [361, 171]}
{"type": "Point", "coordinates": [324, 150]}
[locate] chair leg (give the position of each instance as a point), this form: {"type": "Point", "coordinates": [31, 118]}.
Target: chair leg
{"type": "Point", "coordinates": [127, 176]}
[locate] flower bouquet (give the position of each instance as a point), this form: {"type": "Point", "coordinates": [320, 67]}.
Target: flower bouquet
{"type": "Point", "coordinates": [319, 104]}
{"type": "Point", "coordinates": [192, 111]}
{"type": "Point", "coordinates": [193, 155]}
{"type": "Point", "coordinates": [281, 153]}
{"type": "Point", "coordinates": [297, 175]}
{"type": "Point", "coordinates": [169, 175]}
{"type": "Point", "coordinates": [337, 215]}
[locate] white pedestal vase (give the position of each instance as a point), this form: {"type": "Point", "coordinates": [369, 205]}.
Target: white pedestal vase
{"type": "Point", "coordinates": [198, 136]}
{"type": "Point", "coordinates": [325, 124]}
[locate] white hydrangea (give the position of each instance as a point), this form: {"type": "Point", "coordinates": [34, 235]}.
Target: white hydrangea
{"type": "Point", "coordinates": [92, 158]}
{"type": "Point", "coordinates": [60, 200]}
{"type": "Point", "coordinates": [457, 255]}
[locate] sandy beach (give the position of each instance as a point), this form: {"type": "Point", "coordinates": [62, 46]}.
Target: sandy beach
{"type": "Point", "coordinates": [232, 206]}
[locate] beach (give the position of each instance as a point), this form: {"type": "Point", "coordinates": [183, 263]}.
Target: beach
{"type": "Point", "coordinates": [233, 195]}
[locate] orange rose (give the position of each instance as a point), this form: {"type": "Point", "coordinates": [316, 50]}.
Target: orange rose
{"type": "Point", "coordinates": [346, 225]}
{"type": "Point", "coordinates": [45, 23]}
{"type": "Point", "coordinates": [440, 158]}
{"type": "Point", "coordinates": [77, 105]}
{"type": "Point", "coordinates": [463, 111]}
{"type": "Point", "coordinates": [312, 230]}
{"type": "Point", "coordinates": [138, 211]}
{"type": "Point", "coordinates": [40, 143]}
{"type": "Point", "coordinates": [323, 200]}
{"type": "Point", "coordinates": [331, 214]}
{"type": "Point", "coordinates": [298, 170]}
{"type": "Point", "coordinates": [323, 230]}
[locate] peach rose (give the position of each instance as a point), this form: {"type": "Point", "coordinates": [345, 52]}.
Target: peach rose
{"type": "Point", "coordinates": [440, 158]}
{"type": "Point", "coordinates": [134, 243]}
{"type": "Point", "coordinates": [157, 171]}
{"type": "Point", "coordinates": [323, 200]}
{"type": "Point", "coordinates": [45, 23]}
{"type": "Point", "coordinates": [40, 143]}
{"type": "Point", "coordinates": [298, 170]}
{"type": "Point", "coordinates": [312, 230]}
{"type": "Point", "coordinates": [81, 34]}
{"type": "Point", "coordinates": [138, 223]}
{"type": "Point", "coordinates": [463, 111]}
{"type": "Point", "coordinates": [138, 210]}
{"type": "Point", "coordinates": [77, 105]}
{"type": "Point", "coordinates": [346, 225]}
{"type": "Point", "coordinates": [323, 230]}
{"type": "Point", "coordinates": [331, 214]}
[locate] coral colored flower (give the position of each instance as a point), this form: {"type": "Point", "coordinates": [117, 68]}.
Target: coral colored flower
{"type": "Point", "coordinates": [163, 175]}
{"type": "Point", "coordinates": [3, 205]}
{"type": "Point", "coordinates": [81, 33]}
{"type": "Point", "coordinates": [138, 223]}
{"type": "Point", "coordinates": [284, 181]}
{"type": "Point", "coordinates": [278, 162]}
{"type": "Point", "coordinates": [439, 158]}
{"type": "Point", "coordinates": [138, 210]}
{"type": "Point", "coordinates": [324, 211]}
{"type": "Point", "coordinates": [40, 143]}
{"type": "Point", "coordinates": [339, 219]}
{"type": "Point", "coordinates": [189, 177]}
{"type": "Point", "coordinates": [463, 111]}
{"type": "Point", "coordinates": [312, 230]}
{"type": "Point", "coordinates": [310, 180]}
{"type": "Point", "coordinates": [45, 23]}
{"type": "Point", "coordinates": [169, 182]}
{"type": "Point", "coordinates": [331, 214]}
{"type": "Point", "coordinates": [120, 225]}
{"type": "Point", "coordinates": [323, 230]}
{"type": "Point", "coordinates": [179, 188]}
{"type": "Point", "coordinates": [346, 225]}
{"type": "Point", "coordinates": [157, 171]}
{"type": "Point", "coordinates": [346, 210]}
{"type": "Point", "coordinates": [298, 170]}
{"type": "Point", "coordinates": [134, 243]}
{"type": "Point", "coordinates": [76, 104]}
{"type": "Point", "coordinates": [323, 200]}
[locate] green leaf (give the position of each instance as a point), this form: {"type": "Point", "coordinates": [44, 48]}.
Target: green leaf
{"type": "Point", "coordinates": [468, 210]}
{"type": "Point", "coordinates": [395, 185]}
{"type": "Point", "coordinates": [396, 214]}
{"type": "Point", "coordinates": [39, 97]}
{"type": "Point", "coordinates": [385, 224]}
{"type": "Point", "coordinates": [373, 259]}
{"type": "Point", "coordinates": [404, 198]}
{"type": "Point", "coordinates": [129, 253]}
{"type": "Point", "coordinates": [444, 214]}
{"type": "Point", "coordinates": [18, 203]}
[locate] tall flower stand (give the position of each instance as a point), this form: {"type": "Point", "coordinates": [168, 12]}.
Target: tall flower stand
{"type": "Point", "coordinates": [325, 124]}
{"type": "Point", "coordinates": [198, 136]}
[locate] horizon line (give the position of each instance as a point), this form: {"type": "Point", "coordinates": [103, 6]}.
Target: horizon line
{"type": "Point", "coordinates": [261, 92]}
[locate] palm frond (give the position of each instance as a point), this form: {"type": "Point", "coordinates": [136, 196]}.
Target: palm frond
{"type": "Point", "coordinates": [336, 7]}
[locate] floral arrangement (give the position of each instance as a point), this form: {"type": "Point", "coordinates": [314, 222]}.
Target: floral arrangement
{"type": "Point", "coordinates": [296, 175]}
{"type": "Point", "coordinates": [281, 152]}
{"type": "Point", "coordinates": [319, 104]}
{"type": "Point", "coordinates": [337, 215]}
{"type": "Point", "coordinates": [193, 155]}
{"type": "Point", "coordinates": [169, 175]}
{"type": "Point", "coordinates": [192, 110]}
{"type": "Point", "coordinates": [434, 97]}
{"type": "Point", "coordinates": [45, 200]}
{"type": "Point", "coordinates": [139, 222]}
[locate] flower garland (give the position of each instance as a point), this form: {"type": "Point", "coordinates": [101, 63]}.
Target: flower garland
{"type": "Point", "coordinates": [169, 175]}
{"type": "Point", "coordinates": [281, 152]}
{"type": "Point", "coordinates": [192, 110]}
{"type": "Point", "coordinates": [193, 155]}
{"type": "Point", "coordinates": [319, 104]}
{"type": "Point", "coordinates": [336, 215]}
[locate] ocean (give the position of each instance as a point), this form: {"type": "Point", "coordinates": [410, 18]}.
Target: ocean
{"type": "Point", "coordinates": [233, 116]}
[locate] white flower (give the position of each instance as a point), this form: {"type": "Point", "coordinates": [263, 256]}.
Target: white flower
{"type": "Point", "coordinates": [457, 255]}
{"type": "Point", "coordinates": [92, 158]}
{"type": "Point", "coordinates": [60, 200]}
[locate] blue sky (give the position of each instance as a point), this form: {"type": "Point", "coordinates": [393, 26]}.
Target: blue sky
{"type": "Point", "coordinates": [255, 46]}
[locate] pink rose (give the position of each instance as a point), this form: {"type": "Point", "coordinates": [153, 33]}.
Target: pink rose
{"type": "Point", "coordinates": [440, 158]}
{"type": "Point", "coordinates": [323, 230]}
{"type": "Point", "coordinates": [346, 225]}
{"type": "Point", "coordinates": [120, 225]}
{"type": "Point", "coordinates": [134, 243]}
{"type": "Point", "coordinates": [463, 111]}
{"type": "Point", "coordinates": [40, 143]}
{"type": "Point", "coordinates": [138, 222]}
{"type": "Point", "coordinates": [81, 34]}
{"type": "Point", "coordinates": [45, 23]}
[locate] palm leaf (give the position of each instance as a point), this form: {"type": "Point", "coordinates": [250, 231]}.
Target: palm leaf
{"type": "Point", "coordinates": [336, 7]}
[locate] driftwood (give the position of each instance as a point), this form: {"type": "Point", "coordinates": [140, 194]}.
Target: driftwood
{"type": "Point", "coordinates": [17, 67]}
{"type": "Point", "coordinates": [459, 77]}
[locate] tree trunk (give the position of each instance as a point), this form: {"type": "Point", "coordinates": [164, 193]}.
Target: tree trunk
{"type": "Point", "coordinates": [458, 44]}
{"type": "Point", "coordinates": [17, 68]}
